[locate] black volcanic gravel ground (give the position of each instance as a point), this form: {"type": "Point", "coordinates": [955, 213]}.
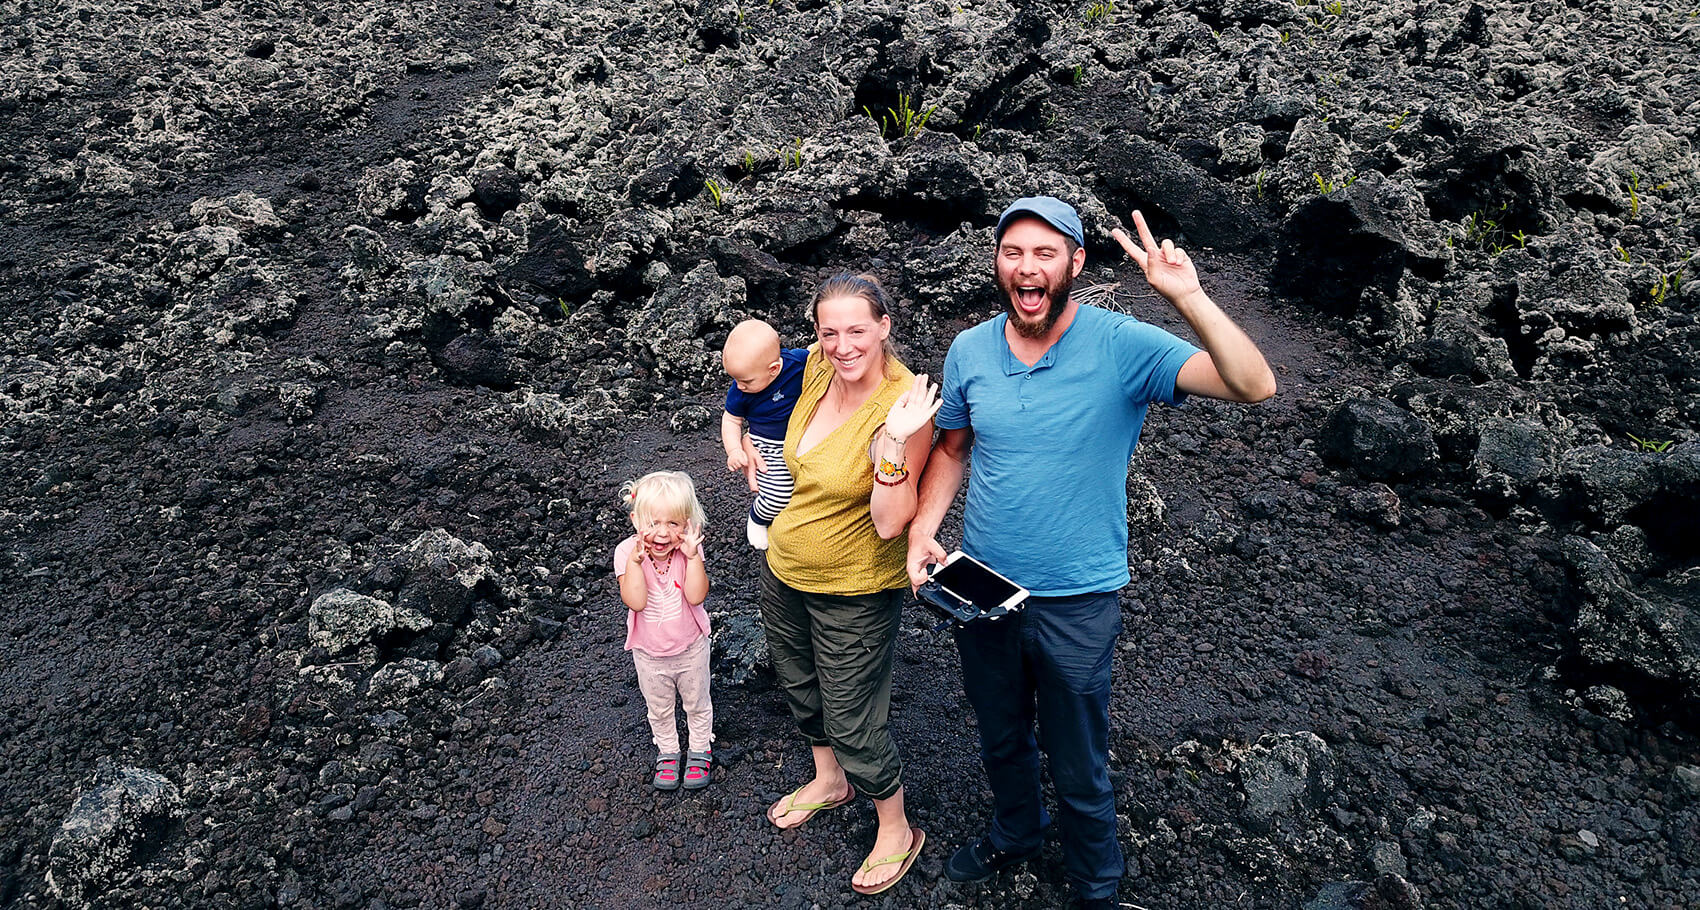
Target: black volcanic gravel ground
{"type": "Point", "coordinates": [171, 515]}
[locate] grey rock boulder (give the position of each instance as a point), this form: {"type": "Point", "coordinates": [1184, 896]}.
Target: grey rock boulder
{"type": "Point", "coordinates": [553, 261]}
{"type": "Point", "coordinates": [951, 277]}
{"type": "Point", "coordinates": [942, 170]}
{"type": "Point", "coordinates": [672, 325]}
{"type": "Point", "coordinates": [247, 213]}
{"type": "Point", "coordinates": [1376, 505]}
{"type": "Point", "coordinates": [393, 683]}
{"type": "Point", "coordinates": [1648, 632]}
{"type": "Point", "coordinates": [496, 190]}
{"type": "Point", "coordinates": [1136, 172]}
{"type": "Point", "coordinates": [1513, 456]}
{"type": "Point", "coordinates": [476, 359]}
{"type": "Point", "coordinates": [740, 649]}
{"type": "Point", "coordinates": [443, 576]}
{"type": "Point", "coordinates": [1459, 343]}
{"type": "Point", "coordinates": [123, 820]}
{"type": "Point", "coordinates": [1338, 247]}
{"type": "Point", "coordinates": [196, 254]}
{"type": "Point", "coordinates": [393, 191]}
{"type": "Point", "coordinates": [449, 286]}
{"type": "Point", "coordinates": [1285, 775]}
{"type": "Point", "coordinates": [342, 620]}
{"type": "Point", "coordinates": [770, 287]}
{"type": "Point", "coordinates": [1605, 485]}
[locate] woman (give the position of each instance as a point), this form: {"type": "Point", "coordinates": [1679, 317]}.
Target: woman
{"type": "Point", "coordinates": [834, 583]}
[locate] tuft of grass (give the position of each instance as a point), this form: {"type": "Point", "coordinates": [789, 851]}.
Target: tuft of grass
{"type": "Point", "coordinates": [1099, 12]}
{"type": "Point", "coordinates": [715, 191]}
{"type": "Point", "coordinates": [1399, 121]}
{"type": "Point", "coordinates": [1669, 278]}
{"type": "Point", "coordinates": [1483, 230]}
{"type": "Point", "coordinates": [1325, 185]}
{"type": "Point", "coordinates": [1668, 283]}
{"type": "Point", "coordinates": [1656, 446]}
{"type": "Point", "coordinates": [790, 158]}
{"type": "Point", "coordinates": [1634, 195]}
{"type": "Point", "coordinates": [902, 121]}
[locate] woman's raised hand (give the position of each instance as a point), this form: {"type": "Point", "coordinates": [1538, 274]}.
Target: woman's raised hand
{"type": "Point", "coordinates": [913, 409]}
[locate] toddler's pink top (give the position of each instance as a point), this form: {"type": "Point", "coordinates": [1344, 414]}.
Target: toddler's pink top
{"type": "Point", "coordinates": [667, 624]}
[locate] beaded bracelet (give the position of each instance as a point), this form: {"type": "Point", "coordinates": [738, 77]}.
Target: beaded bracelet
{"type": "Point", "coordinates": [892, 483]}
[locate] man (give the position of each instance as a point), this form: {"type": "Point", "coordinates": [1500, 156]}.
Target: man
{"type": "Point", "coordinates": [1049, 398]}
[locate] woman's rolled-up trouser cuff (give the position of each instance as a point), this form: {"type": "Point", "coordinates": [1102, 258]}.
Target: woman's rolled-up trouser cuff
{"type": "Point", "coordinates": [832, 655]}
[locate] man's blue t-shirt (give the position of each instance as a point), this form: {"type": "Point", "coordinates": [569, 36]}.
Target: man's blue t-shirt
{"type": "Point", "coordinates": [1047, 487]}
{"type": "Point", "coordinates": [770, 409]}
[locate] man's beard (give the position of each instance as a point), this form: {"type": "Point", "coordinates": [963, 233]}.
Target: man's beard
{"type": "Point", "coordinates": [1056, 300]}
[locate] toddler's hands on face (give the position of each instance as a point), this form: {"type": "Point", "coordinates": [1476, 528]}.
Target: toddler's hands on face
{"type": "Point", "coordinates": [690, 542]}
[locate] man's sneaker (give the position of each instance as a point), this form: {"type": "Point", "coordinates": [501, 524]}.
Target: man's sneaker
{"type": "Point", "coordinates": [979, 861]}
{"type": "Point", "coordinates": [756, 533]}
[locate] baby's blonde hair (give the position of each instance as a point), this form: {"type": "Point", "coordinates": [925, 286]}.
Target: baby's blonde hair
{"type": "Point", "coordinates": [663, 494]}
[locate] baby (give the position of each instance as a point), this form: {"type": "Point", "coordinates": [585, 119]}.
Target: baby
{"type": "Point", "coordinates": [766, 380]}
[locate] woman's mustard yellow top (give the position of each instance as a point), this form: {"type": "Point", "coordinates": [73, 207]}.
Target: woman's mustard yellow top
{"type": "Point", "coordinates": [824, 542]}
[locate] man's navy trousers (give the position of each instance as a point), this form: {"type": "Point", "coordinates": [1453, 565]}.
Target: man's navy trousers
{"type": "Point", "coordinates": [1049, 663]}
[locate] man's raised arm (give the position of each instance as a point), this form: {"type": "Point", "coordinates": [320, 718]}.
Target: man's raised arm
{"type": "Point", "coordinates": [1230, 367]}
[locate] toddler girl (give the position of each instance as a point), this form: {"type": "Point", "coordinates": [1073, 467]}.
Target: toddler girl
{"type": "Point", "coordinates": [663, 584]}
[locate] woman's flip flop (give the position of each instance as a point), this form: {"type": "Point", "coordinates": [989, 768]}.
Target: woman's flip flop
{"type": "Point", "coordinates": [917, 837]}
{"type": "Point", "coordinates": [790, 804]}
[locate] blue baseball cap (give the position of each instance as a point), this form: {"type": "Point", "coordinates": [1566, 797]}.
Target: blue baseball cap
{"type": "Point", "coordinates": [1049, 209]}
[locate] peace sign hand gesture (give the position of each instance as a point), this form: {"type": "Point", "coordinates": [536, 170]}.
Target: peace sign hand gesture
{"type": "Point", "coordinates": [1167, 267]}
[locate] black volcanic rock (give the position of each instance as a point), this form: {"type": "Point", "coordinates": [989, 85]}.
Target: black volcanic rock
{"type": "Point", "coordinates": [475, 359]}
{"type": "Point", "coordinates": [1364, 237]}
{"type": "Point", "coordinates": [1378, 439]}
{"type": "Point", "coordinates": [1137, 173]}
{"type": "Point", "coordinates": [496, 190]}
{"type": "Point", "coordinates": [124, 818]}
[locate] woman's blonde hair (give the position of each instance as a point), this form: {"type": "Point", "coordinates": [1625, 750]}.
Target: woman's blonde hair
{"type": "Point", "coordinates": [668, 494]}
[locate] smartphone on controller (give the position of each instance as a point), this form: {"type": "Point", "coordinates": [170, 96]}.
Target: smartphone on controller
{"type": "Point", "coordinates": [972, 581]}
